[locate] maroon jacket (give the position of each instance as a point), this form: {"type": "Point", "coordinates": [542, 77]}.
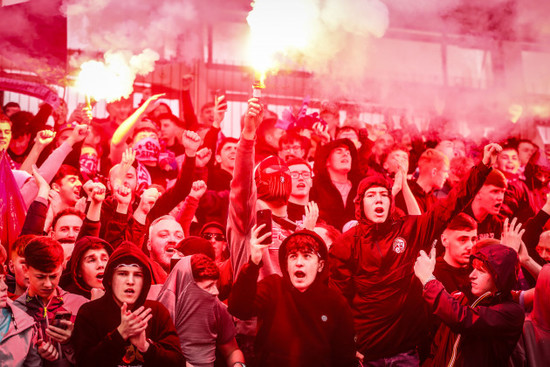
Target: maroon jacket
{"type": "Point", "coordinates": [372, 265]}
{"type": "Point", "coordinates": [490, 328]}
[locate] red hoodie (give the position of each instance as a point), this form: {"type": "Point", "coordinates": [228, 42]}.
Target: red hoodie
{"type": "Point", "coordinates": [372, 265]}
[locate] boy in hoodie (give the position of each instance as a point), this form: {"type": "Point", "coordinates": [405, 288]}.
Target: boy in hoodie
{"type": "Point", "coordinates": [335, 182]}
{"type": "Point", "coordinates": [87, 267]}
{"type": "Point", "coordinates": [302, 321]}
{"type": "Point", "coordinates": [202, 321]}
{"type": "Point", "coordinates": [122, 328]}
{"type": "Point", "coordinates": [490, 328]}
{"type": "Point", "coordinates": [372, 265]}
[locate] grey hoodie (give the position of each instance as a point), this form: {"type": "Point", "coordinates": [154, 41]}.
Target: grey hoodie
{"type": "Point", "coordinates": [201, 320]}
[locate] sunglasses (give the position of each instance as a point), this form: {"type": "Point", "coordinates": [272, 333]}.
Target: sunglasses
{"type": "Point", "coordinates": [216, 236]}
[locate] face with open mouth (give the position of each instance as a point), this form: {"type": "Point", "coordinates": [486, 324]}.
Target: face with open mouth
{"type": "Point", "coordinates": [303, 268]}
{"type": "Point", "coordinates": [490, 198]}
{"type": "Point", "coordinates": [127, 284]}
{"type": "Point", "coordinates": [376, 204]}
{"type": "Point", "coordinates": [227, 155]}
{"type": "Point", "coordinates": [69, 189]}
{"type": "Point", "coordinates": [165, 236]}
{"type": "Point", "coordinates": [301, 180]}
{"type": "Point", "coordinates": [508, 162]}
{"type": "Point", "coordinates": [92, 267]}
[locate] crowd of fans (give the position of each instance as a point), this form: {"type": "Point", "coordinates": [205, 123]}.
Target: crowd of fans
{"type": "Point", "coordinates": [145, 239]}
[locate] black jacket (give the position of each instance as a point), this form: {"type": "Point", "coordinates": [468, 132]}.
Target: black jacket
{"type": "Point", "coordinates": [490, 328]}
{"type": "Point", "coordinates": [313, 328]}
{"type": "Point", "coordinates": [96, 338]}
{"type": "Point", "coordinates": [332, 208]}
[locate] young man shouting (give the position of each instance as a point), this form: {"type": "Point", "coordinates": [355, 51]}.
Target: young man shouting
{"type": "Point", "coordinates": [302, 321]}
{"type": "Point", "coordinates": [122, 328]}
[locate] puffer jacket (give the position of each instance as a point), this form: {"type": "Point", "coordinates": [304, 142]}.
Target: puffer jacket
{"type": "Point", "coordinates": [18, 345]}
{"type": "Point", "coordinates": [372, 265]}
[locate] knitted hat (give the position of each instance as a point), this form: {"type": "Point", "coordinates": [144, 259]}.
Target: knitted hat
{"type": "Point", "coordinates": [496, 178]}
{"type": "Point", "coordinates": [196, 245]}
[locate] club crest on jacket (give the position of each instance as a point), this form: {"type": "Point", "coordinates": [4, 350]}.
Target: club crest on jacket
{"type": "Point", "coordinates": [399, 245]}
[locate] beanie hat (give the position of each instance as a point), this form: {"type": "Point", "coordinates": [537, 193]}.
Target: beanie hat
{"type": "Point", "coordinates": [196, 245]}
{"type": "Point", "coordinates": [496, 178]}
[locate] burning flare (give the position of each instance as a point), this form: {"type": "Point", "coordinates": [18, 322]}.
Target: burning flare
{"type": "Point", "coordinates": [279, 27]}
{"type": "Point", "coordinates": [311, 33]}
{"type": "Point", "coordinates": [114, 78]}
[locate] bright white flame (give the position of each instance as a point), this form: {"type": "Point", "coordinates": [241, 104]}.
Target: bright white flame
{"type": "Point", "coordinates": [278, 27]}
{"type": "Point", "coordinates": [310, 32]}
{"type": "Point", "coordinates": [114, 78]}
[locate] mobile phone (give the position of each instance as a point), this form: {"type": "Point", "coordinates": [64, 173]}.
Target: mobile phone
{"type": "Point", "coordinates": [264, 217]}
{"type": "Point", "coordinates": [61, 315]}
{"type": "Point", "coordinates": [219, 99]}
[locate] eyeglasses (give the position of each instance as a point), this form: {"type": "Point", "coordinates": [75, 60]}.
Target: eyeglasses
{"type": "Point", "coordinates": [217, 236]}
{"type": "Point", "coordinates": [304, 174]}
{"type": "Point", "coordinates": [291, 148]}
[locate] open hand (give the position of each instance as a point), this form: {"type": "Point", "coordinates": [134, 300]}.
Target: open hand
{"type": "Point", "coordinates": [133, 323]}
{"type": "Point", "coordinates": [512, 234]}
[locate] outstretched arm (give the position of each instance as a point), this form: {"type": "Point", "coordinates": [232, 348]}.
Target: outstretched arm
{"type": "Point", "coordinates": [432, 223]}
{"type": "Point", "coordinates": [242, 195]}
{"type": "Point", "coordinates": [124, 131]}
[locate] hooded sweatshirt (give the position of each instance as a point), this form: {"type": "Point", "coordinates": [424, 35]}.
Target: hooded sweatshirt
{"type": "Point", "coordinates": [332, 208]}
{"type": "Point", "coordinates": [372, 265]}
{"type": "Point", "coordinates": [490, 328]}
{"type": "Point", "coordinates": [97, 340]}
{"type": "Point", "coordinates": [310, 328]}
{"type": "Point", "coordinates": [77, 284]}
{"type": "Point", "coordinates": [201, 320]}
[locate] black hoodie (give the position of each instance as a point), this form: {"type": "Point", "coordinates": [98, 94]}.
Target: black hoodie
{"type": "Point", "coordinates": [332, 208]}
{"type": "Point", "coordinates": [97, 340]}
{"type": "Point", "coordinates": [490, 328]}
{"type": "Point", "coordinates": [310, 328]}
{"type": "Point", "coordinates": [76, 284]}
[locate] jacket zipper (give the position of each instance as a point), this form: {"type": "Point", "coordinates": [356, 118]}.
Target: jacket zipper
{"type": "Point", "coordinates": [455, 346]}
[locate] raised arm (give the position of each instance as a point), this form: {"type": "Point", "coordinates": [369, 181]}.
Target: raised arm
{"type": "Point", "coordinates": [432, 222]}
{"type": "Point", "coordinates": [124, 131]}
{"type": "Point", "coordinates": [245, 301]}
{"type": "Point", "coordinates": [41, 141]}
{"type": "Point", "coordinates": [174, 195]}
{"type": "Point", "coordinates": [242, 196]}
